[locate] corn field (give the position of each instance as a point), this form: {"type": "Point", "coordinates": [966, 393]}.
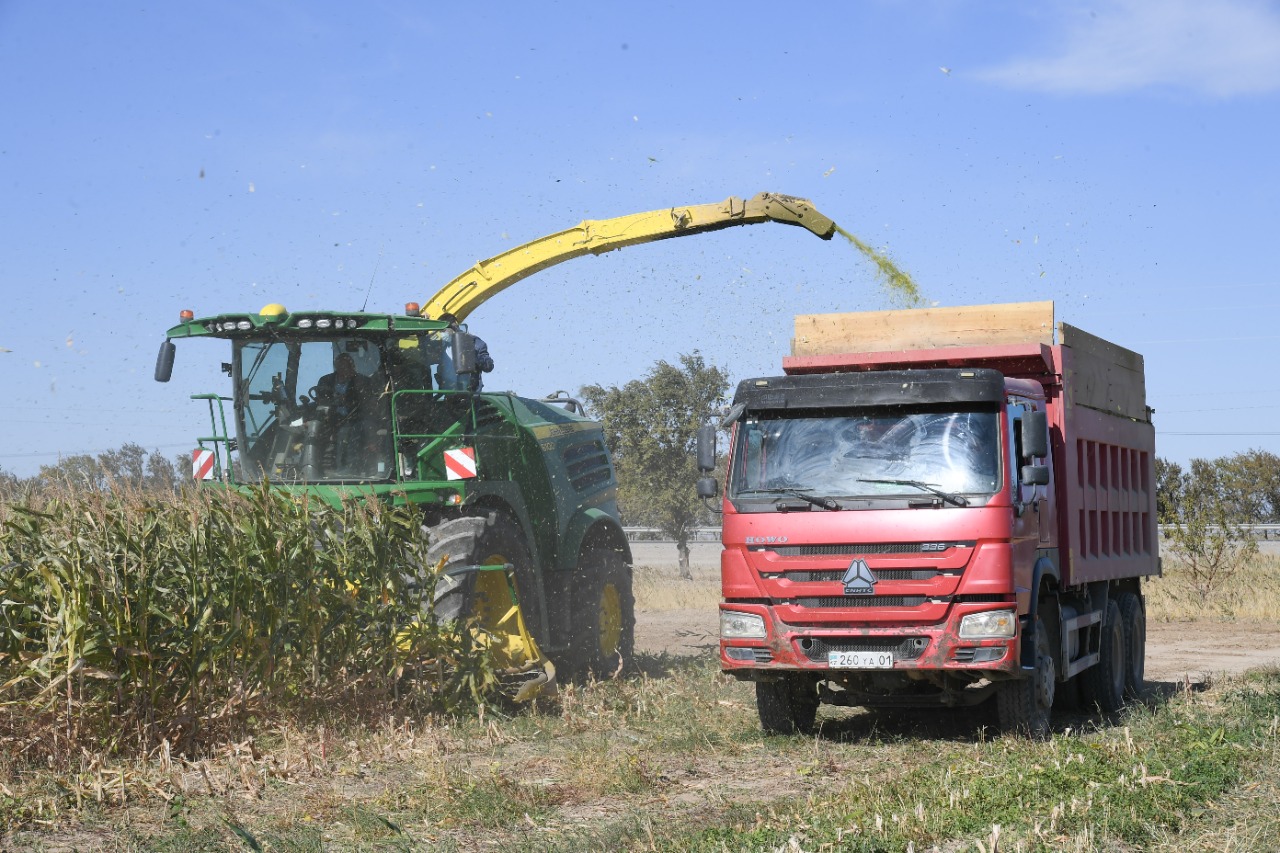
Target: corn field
{"type": "Point", "coordinates": [128, 622]}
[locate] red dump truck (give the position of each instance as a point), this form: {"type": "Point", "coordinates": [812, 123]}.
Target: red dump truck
{"type": "Point", "coordinates": [937, 507]}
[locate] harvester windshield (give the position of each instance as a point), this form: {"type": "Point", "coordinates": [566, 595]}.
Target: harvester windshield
{"type": "Point", "coordinates": [318, 410]}
{"type": "Point", "coordinates": [867, 453]}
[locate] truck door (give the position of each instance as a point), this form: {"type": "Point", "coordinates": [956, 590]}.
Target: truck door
{"type": "Point", "coordinates": [1026, 508]}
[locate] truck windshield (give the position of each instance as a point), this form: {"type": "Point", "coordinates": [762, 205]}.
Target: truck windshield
{"type": "Point", "coordinates": [840, 453]}
{"type": "Point", "coordinates": [319, 410]}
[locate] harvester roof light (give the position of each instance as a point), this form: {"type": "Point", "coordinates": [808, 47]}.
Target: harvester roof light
{"type": "Point", "coordinates": [305, 323]}
{"type": "Point", "coordinates": [413, 309]}
{"type": "Point", "coordinates": [244, 325]}
{"type": "Point", "coordinates": [186, 315]}
{"type": "Point", "coordinates": [323, 323]}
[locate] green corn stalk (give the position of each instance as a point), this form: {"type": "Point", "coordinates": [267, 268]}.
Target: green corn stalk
{"type": "Point", "coordinates": [132, 620]}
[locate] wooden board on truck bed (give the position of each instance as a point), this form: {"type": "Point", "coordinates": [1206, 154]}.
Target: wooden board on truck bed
{"type": "Point", "coordinates": [923, 328]}
{"type": "Point", "coordinates": [1097, 373]}
{"type": "Point", "coordinates": [1101, 375]}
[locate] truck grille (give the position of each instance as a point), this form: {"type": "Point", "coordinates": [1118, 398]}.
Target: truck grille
{"type": "Point", "coordinates": [861, 549]}
{"type": "Point", "coordinates": [881, 574]}
{"type": "Point", "coordinates": [909, 648]}
{"type": "Point", "coordinates": [862, 601]}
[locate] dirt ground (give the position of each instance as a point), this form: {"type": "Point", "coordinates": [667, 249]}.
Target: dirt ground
{"type": "Point", "coordinates": [1177, 652]}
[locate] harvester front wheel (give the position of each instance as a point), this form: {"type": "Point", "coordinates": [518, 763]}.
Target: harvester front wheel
{"type": "Point", "coordinates": [476, 541]}
{"type": "Point", "coordinates": [604, 615]}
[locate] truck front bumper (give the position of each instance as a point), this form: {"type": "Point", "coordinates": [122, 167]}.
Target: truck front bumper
{"type": "Point", "coordinates": [912, 647]}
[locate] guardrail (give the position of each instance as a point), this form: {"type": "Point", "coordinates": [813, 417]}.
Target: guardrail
{"type": "Point", "coordinates": [654, 534]}
{"type": "Point", "coordinates": [1256, 531]}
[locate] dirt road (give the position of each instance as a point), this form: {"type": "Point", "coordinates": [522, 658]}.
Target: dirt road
{"type": "Point", "coordinates": [1176, 651]}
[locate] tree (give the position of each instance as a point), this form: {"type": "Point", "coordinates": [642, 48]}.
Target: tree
{"type": "Point", "coordinates": [1254, 482]}
{"type": "Point", "coordinates": [1170, 482]}
{"type": "Point", "coordinates": [651, 427]}
{"type": "Point", "coordinates": [128, 467]}
{"type": "Point", "coordinates": [1206, 535]}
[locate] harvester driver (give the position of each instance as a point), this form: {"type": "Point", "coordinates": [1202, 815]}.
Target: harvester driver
{"type": "Point", "coordinates": [345, 392]}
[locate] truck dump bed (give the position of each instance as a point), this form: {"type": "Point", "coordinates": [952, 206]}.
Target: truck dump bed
{"type": "Point", "coordinates": [1103, 440]}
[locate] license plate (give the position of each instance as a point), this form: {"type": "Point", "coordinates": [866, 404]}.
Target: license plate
{"type": "Point", "coordinates": [860, 660]}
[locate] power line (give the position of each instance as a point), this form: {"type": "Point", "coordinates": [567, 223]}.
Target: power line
{"type": "Point", "coordinates": [1165, 433]}
{"type": "Point", "coordinates": [1216, 409]}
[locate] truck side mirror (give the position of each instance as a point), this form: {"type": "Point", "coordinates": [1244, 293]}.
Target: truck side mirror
{"type": "Point", "coordinates": [1035, 475]}
{"type": "Point", "coordinates": [164, 361]}
{"type": "Point", "coordinates": [708, 487]}
{"type": "Point", "coordinates": [707, 449]}
{"type": "Point", "coordinates": [1035, 436]}
{"type": "Point", "coordinates": [464, 352]}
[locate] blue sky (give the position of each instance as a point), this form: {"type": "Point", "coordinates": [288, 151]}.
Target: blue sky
{"type": "Point", "coordinates": [1118, 158]}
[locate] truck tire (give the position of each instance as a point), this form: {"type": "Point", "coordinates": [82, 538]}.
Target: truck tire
{"type": "Point", "coordinates": [480, 540]}
{"type": "Point", "coordinates": [1135, 644]}
{"type": "Point", "coordinates": [1104, 682]}
{"type": "Point", "coordinates": [1025, 706]}
{"type": "Point", "coordinates": [603, 633]}
{"type": "Point", "coordinates": [788, 705]}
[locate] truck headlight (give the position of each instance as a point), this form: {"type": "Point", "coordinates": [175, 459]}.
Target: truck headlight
{"type": "Point", "coordinates": [991, 623]}
{"type": "Point", "coordinates": [741, 626]}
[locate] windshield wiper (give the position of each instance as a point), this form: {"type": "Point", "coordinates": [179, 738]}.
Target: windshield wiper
{"type": "Point", "coordinates": [824, 502]}
{"type": "Point", "coordinates": [928, 487]}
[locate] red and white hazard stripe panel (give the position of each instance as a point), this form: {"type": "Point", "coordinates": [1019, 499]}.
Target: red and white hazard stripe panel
{"type": "Point", "coordinates": [202, 464]}
{"type": "Point", "coordinates": [460, 464]}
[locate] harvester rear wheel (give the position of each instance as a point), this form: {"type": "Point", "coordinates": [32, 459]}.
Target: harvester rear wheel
{"type": "Point", "coordinates": [788, 705]}
{"type": "Point", "coordinates": [1104, 682]}
{"type": "Point", "coordinates": [604, 615]}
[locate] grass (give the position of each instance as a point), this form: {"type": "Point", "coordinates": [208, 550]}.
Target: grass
{"type": "Point", "coordinates": [672, 758]}
{"type": "Point", "coordinates": [660, 587]}
{"type": "Point", "coordinates": [675, 761]}
{"type": "Point", "coordinates": [1252, 593]}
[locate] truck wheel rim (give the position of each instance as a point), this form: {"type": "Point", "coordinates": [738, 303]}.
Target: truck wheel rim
{"type": "Point", "coordinates": [610, 620]}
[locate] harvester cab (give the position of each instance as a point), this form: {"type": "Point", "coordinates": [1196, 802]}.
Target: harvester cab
{"type": "Point", "coordinates": [517, 495]}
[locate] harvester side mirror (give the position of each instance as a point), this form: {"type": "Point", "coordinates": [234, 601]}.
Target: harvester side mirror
{"type": "Point", "coordinates": [464, 352]}
{"type": "Point", "coordinates": [708, 487]}
{"type": "Point", "coordinates": [1035, 436]}
{"type": "Point", "coordinates": [707, 449]}
{"type": "Point", "coordinates": [164, 361]}
{"type": "Point", "coordinates": [1035, 475]}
